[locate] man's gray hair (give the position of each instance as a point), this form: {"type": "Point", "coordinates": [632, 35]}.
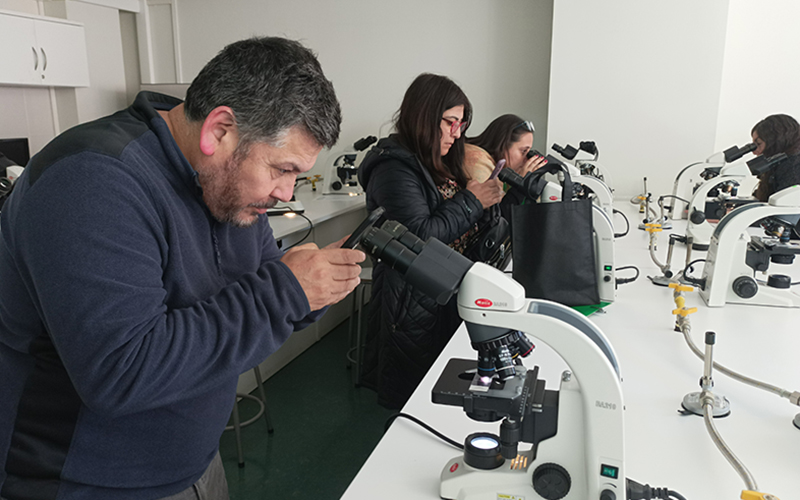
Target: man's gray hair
{"type": "Point", "coordinates": [271, 84]}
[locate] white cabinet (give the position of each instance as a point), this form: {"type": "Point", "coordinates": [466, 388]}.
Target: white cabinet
{"type": "Point", "coordinates": [42, 51]}
{"type": "Point", "coordinates": [19, 55]}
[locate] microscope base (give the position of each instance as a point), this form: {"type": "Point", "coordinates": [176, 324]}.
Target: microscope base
{"type": "Point", "coordinates": [692, 403]}
{"type": "Point", "coordinates": [796, 421]}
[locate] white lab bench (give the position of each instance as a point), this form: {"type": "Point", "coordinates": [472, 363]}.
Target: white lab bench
{"type": "Point", "coordinates": [333, 217]}
{"type": "Point", "coordinates": [663, 447]}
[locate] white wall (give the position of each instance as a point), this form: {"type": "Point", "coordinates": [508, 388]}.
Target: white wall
{"type": "Point", "coordinates": [497, 51]}
{"type": "Point", "coordinates": [761, 74]}
{"type": "Point", "coordinates": [643, 80]}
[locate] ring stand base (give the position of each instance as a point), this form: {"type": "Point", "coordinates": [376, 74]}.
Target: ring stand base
{"type": "Point", "coordinates": [660, 280]}
{"type": "Point", "coordinates": [692, 403]}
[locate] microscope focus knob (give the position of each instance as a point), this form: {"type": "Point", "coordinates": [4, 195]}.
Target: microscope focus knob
{"type": "Point", "coordinates": [697, 216]}
{"type": "Point", "coordinates": [745, 287]}
{"type": "Point", "coordinates": [608, 495]}
{"type": "Point", "coordinates": [551, 481]}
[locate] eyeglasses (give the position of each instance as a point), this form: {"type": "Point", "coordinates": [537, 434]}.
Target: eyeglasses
{"type": "Point", "coordinates": [527, 125]}
{"type": "Point", "coordinates": [455, 125]}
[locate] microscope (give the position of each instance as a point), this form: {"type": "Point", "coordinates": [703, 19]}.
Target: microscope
{"type": "Point", "coordinates": [549, 192]}
{"type": "Point", "coordinates": [342, 176]}
{"type": "Point", "coordinates": [693, 175]}
{"type": "Point", "coordinates": [576, 433]}
{"type": "Point", "coordinates": [734, 255]}
{"type": "Point", "coordinates": [709, 200]}
{"type": "Point", "coordinates": [587, 167]}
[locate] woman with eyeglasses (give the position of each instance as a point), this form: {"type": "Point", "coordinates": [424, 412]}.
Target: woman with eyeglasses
{"type": "Point", "coordinates": [417, 176]}
{"type": "Point", "coordinates": [508, 138]}
{"type": "Point", "coordinates": [772, 135]}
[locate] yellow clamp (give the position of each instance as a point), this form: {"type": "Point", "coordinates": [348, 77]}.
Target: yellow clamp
{"type": "Point", "coordinates": [684, 312]}
{"type": "Point", "coordinates": [653, 227]}
{"type": "Point", "coordinates": [757, 495]}
{"type": "Point", "coordinates": [314, 180]}
{"type": "Point", "coordinates": [681, 287]}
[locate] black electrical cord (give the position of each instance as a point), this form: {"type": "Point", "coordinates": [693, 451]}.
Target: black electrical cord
{"type": "Point", "coordinates": [425, 426]}
{"type": "Point", "coordinates": [638, 491]}
{"type": "Point", "coordinates": [310, 228]}
{"type": "Point", "coordinates": [627, 223]}
{"type": "Point", "coordinates": [701, 282]}
{"type": "Point", "coordinates": [622, 281]}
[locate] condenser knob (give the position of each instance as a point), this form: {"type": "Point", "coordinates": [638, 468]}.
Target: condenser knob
{"type": "Point", "coordinates": [745, 287]}
{"type": "Point", "coordinates": [336, 185]}
{"type": "Point", "coordinates": [551, 481]}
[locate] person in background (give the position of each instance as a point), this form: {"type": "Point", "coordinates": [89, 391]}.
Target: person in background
{"type": "Point", "coordinates": [139, 278]}
{"type": "Point", "coordinates": [417, 176]}
{"type": "Point", "coordinates": [772, 135]}
{"type": "Point", "coordinates": [508, 138]}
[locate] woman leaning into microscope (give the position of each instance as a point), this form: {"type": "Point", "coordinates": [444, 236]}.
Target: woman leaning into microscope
{"type": "Point", "coordinates": [417, 176]}
{"type": "Point", "coordinates": [507, 137]}
{"type": "Point", "coordinates": [772, 135]}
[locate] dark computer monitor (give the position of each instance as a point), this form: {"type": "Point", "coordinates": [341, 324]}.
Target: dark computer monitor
{"type": "Point", "coordinates": [16, 150]}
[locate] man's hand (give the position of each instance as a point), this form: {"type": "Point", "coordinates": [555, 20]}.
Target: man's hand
{"type": "Point", "coordinates": [326, 275]}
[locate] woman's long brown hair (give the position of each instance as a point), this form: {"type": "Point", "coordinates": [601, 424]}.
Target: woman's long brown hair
{"type": "Point", "coordinates": [418, 125]}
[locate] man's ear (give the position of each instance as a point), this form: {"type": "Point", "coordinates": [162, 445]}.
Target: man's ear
{"type": "Point", "coordinates": [219, 133]}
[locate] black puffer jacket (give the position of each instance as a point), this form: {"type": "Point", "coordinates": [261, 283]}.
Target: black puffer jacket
{"type": "Point", "coordinates": [407, 330]}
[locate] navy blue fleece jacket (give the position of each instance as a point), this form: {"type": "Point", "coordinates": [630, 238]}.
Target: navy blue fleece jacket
{"type": "Point", "coordinates": [127, 314]}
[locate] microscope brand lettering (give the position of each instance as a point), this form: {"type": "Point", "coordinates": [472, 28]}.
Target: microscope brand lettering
{"type": "Point", "coordinates": [454, 467]}
{"type": "Point", "coordinates": [554, 198]}
{"type": "Point", "coordinates": [483, 302]}
{"type": "Point", "coordinates": [606, 405]}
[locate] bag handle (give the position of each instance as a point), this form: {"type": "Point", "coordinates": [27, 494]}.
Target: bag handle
{"type": "Point", "coordinates": [554, 166]}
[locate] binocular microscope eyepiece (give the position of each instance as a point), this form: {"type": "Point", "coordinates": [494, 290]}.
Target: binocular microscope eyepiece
{"type": "Point", "coordinates": [437, 270]}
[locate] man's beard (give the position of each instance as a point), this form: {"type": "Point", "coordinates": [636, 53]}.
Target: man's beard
{"type": "Point", "coordinates": [222, 194]}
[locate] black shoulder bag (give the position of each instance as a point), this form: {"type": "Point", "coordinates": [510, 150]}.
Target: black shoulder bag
{"type": "Point", "coordinates": [492, 243]}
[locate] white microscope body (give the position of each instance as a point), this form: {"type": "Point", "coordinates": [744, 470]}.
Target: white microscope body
{"type": "Point", "coordinates": [603, 228]}
{"type": "Point", "coordinates": [698, 228]}
{"type": "Point", "coordinates": [342, 174]}
{"type": "Point", "coordinates": [587, 167]}
{"type": "Point", "coordinates": [728, 277]}
{"type": "Point", "coordinates": [589, 443]}
{"type": "Point", "coordinates": [694, 175]}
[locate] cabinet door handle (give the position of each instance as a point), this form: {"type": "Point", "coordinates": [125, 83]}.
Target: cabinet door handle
{"type": "Point", "coordinates": [44, 57]}
{"type": "Point", "coordinates": [35, 59]}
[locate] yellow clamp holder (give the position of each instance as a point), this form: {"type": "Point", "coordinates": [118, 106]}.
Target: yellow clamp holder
{"type": "Point", "coordinates": [684, 312]}
{"type": "Point", "coordinates": [681, 288]}
{"type": "Point", "coordinates": [757, 495]}
{"type": "Point", "coordinates": [652, 227]}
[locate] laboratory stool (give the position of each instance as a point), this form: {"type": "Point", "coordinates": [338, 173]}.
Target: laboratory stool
{"type": "Point", "coordinates": [355, 354]}
{"type": "Point", "coordinates": [262, 410]}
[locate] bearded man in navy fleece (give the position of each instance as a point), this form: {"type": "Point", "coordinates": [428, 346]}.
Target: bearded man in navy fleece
{"type": "Point", "coordinates": [139, 277]}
